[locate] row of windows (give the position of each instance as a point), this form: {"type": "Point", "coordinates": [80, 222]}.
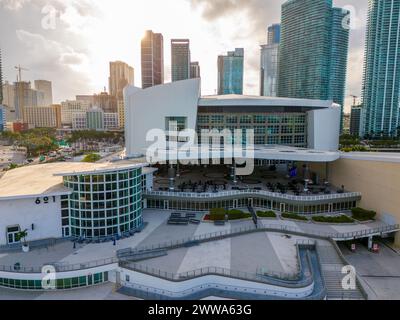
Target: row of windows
{"type": "Point", "coordinates": [243, 203]}
{"type": "Point", "coordinates": [61, 284]}
{"type": "Point", "coordinates": [249, 119]}
{"type": "Point", "coordinates": [90, 232]}
{"type": "Point", "coordinates": [102, 187]}
{"type": "Point", "coordinates": [133, 195]}
{"type": "Point", "coordinates": [115, 177]}
{"type": "Point", "coordinates": [121, 204]}
{"type": "Point", "coordinates": [89, 223]}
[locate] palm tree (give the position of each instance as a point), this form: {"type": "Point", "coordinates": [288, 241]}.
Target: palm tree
{"type": "Point", "coordinates": [22, 236]}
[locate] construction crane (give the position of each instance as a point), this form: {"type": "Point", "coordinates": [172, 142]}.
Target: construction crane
{"type": "Point", "coordinates": [354, 99]}
{"type": "Point", "coordinates": [20, 69]}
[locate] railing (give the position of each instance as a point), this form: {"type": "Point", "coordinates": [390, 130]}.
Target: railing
{"type": "Point", "coordinates": [59, 267]}
{"type": "Point", "coordinates": [201, 291]}
{"type": "Point", "coordinates": [359, 284]}
{"type": "Point", "coordinates": [265, 228]}
{"type": "Point", "coordinates": [251, 192]}
{"type": "Point", "coordinates": [207, 238]}
{"type": "Point", "coordinates": [301, 278]}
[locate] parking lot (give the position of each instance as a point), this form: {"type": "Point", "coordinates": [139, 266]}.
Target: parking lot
{"type": "Point", "coordinates": [8, 156]}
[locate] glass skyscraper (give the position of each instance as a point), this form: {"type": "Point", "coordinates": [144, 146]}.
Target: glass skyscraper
{"type": "Point", "coordinates": [2, 118]}
{"type": "Point", "coordinates": [180, 56]}
{"type": "Point", "coordinates": [313, 50]}
{"type": "Point", "coordinates": [269, 62]}
{"type": "Point", "coordinates": [382, 69]}
{"type": "Point", "coordinates": [230, 72]}
{"type": "Point", "coordinates": [152, 51]}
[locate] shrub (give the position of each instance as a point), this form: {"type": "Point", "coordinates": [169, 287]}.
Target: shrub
{"type": "Point", "coordinates": [93, 157]}
{"type": "Point", "coordinates": [217, 214]}
{"type": "Point", "coordinates": [337, 219]}
{"type": "Point", "coordinates": [362, 214]}
{"type": "Point", "coordinates": [293, 216]}
{"type": "Point", "coordinates": [237, 215]}
{"type": "Point", "coordinates": [266, 214]}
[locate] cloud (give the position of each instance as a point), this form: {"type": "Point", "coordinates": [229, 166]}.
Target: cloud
{"type": "Point", "coordinates": [261, 13]}
{"type": "Point", "coordinates": [13, 5]}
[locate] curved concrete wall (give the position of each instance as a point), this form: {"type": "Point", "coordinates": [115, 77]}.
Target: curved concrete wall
{"type": "Point", "coordinates": [147, 109]}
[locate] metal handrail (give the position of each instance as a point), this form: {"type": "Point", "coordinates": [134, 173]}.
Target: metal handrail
{"type": "Point", "coordinates": [206, 238]}
{"type": "Point", "coordinates": [59, 267]}
{"type": "Point", "coordinates": [250, 192]}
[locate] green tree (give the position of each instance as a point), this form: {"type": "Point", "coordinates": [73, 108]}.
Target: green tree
{"type": "Point", "coordinates": [91, 158]}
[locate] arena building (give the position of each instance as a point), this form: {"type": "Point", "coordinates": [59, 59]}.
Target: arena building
{"type": "Point", "coordinates": [76, 200]}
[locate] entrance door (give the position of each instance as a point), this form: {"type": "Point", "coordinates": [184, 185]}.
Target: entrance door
{"type": "Point", "coordinates": [166, 205]}
{"type": "Point", "coordinates": [283, 207]}
{"type": "Point", "coordinates": [12, 234]}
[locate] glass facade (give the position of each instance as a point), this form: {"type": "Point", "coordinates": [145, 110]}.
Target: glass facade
{"type": "Point", "coordinates": [262, 203]}
{"type": "Point", "coordinates": [2, 118]}
{"type": "Point", "coordinates": [269, 128]}
{"type": "Point", "coordinates": [382, 70]}
{"type": "Point", "coordinates": [152, 53]}
{"type": "Point", "coordinates": [313, 51]}
{"type": "Point", "coordinates": [269, 69]}
{"type": "Point", "coordinates": [180, 56]}
{"type": "Point", "coordinates": [61, 284]}
{"type": "Point", "coordinates": [103, 205]}
{"type": "Point", "coordinates": [230, 73]}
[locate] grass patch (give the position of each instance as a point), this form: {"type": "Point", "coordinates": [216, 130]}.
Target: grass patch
{"type": "Point", "coordinates": [363, 215]}
{"type": "Point", "coordinates": [266, 214]}
{"type": "Point", "coordinates": [337, 219]}
{"type": "Point", "coordinates": [293, 216]}
{"type": "Point", "coordinates": [219, 214]}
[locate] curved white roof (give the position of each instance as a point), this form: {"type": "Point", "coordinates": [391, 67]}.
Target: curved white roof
{"type": "Point", "coordinates": [242, 100]}
{"type": "Point", "coordinates": [46, 179]}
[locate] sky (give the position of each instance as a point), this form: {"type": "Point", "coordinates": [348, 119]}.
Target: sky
{"type": "Point", "coordinates": [71, 42]}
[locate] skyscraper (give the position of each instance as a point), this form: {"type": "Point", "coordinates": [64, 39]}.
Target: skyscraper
{"type": "Point", "coordinates": [45, 88]}
{"type": "Point", "coordinates": [269, 62]}
{"type": "Point", "coordinates": [230, 72]}
{"type": "Point", "coordinates": [2, 118]}
{"type": "Point", "coordinates": [152, 47]}
{"type": "Point", "coordinates": [1, 80]}
{"type": "Point", "coordinates": [180, 59]}
{"type": "Point", "coordinates": [121, 75]}
{"type": "Point", "coordinates": [195, 70]}
{"type": "Point", "coordinates": [274, 34]}
{"type": "Point", "coordinates": [24, 96]}
{"type": "Point", "coordinates": [355, 120]}
{"type": "Point", "coordinates": [313, 50]}
{"type": "Point", "coordinates": [382, 69]}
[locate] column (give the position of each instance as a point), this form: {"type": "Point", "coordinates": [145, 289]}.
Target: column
{"type": "Point", "coordinates": [171, 177]}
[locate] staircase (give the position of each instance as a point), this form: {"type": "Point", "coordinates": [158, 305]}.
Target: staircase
{"type": "Point", "coordinates": [331, 266]}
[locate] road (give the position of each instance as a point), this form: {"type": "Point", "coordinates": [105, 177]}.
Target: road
{"type": "Point", "coordinates": [8, 156]}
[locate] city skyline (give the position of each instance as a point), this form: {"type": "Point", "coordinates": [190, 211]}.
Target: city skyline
{"type": "Point", "coordinates": [85, 67]}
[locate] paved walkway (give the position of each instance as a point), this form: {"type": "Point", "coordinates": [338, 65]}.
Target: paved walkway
{"type": "Point", "coordinates": [379, 271]}
{"type": "Point", "coordinates": [158, 232]}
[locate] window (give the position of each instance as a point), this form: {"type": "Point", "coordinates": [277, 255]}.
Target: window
{"type": "Point", "coordinates": [217, 119]}
{"type": "Point", "coordinates": [203, 119]}
{"type": "Point", "coordinates": [259, 119]}
{"type": "Point", "coordinates": [271, 130]}
{"type": "Point", "coordinates": [287, 140]}
{"type": "Point", "coordinates": [287, 130]}
{"type": "Point", "coordinates": [260, 130]}
{"type": "Point", "coordinates": [12, 233]}
{"type": "Point", "coordinates": [299, 140]}
{"type": "Point", "coordinates": [245, 119]}
{"type": "Point", "coordinates": [231, 119]}
{"type": "Point", "coordinates": [175, 124]}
